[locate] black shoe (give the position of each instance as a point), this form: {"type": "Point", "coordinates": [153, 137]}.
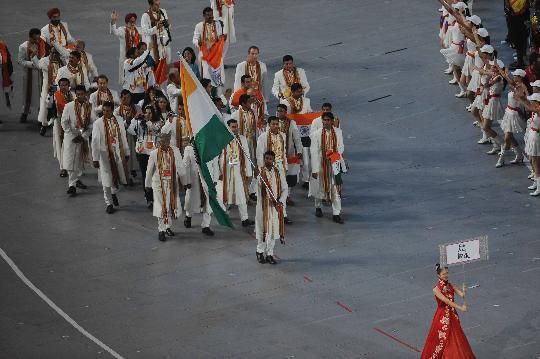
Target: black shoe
{"type": "Point", "coordinates": [187, 222]}
{"type": "Point", "coordinates": [305, 185]}
{"type": "Point", "coordinates": [150, 204]}
{"type": "Point", "coordinates": [42, 130]}
{"type": "Point", "coordinates": [161, 237]}
{"type": "Point", "coordinates": [109, 209]}
{"type": "Point", "coordinates": [287, 220]}
{"type": "Point", "coordinates": [208, 231]}
{"type": "Point", "coordinates": [115, 200]}
{"type": "Point", "coordinates": [338, 219]}
{"type": "Point", "coordinates": [270, 260]}
{"type": "Point", "coordinates": [253, 197]}
{"type": "Point", "coordinates": [169, 232]}
{"type": "Point", "coordinates": [318, 212]}
{"type": "Point", "coordinates": [63, 173]}
{"type": "Point", "coordinates": [260, 258]}
{"type": "Point", "coordinates": [247, 223]}
{"type": "Point", "coordinates": [23, 118]}
{"type": "Point", "coordinates": [72, 191]}
{"type": "Point", "coordinates": [81, 185]}
{"type": "Point", "coordinates": [133, 173]}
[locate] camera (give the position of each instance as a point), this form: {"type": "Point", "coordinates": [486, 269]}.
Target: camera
{"type": "Point", "coordinates": [53, 88]}
{"type": "Point", "coordinates": [165, 23]}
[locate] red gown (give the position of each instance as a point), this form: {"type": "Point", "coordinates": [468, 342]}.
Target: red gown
{"type": "Point", "coordinates": [446, 339]}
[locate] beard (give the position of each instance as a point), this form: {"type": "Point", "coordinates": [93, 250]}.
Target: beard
{"type": "Point", "coordinates": [55, 22]}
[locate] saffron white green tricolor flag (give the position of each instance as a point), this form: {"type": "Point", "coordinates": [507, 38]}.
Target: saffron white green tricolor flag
{"type": "Point", "coordinates": [210, 134]}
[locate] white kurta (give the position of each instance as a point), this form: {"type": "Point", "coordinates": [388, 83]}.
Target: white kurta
{"type": "Point", "coordinates": [295, 147]}
{"type": "Point", "coordinates": [262, 147]}
{"type": "Point", "coordinates": [315, 186]}
{"type": "Point", "coordinates": [90, 70]}
{"type": "Point", "coordinates": [231, 165]}
{"type": "Point", "coordinates": [43, 65]}
{"type": "Point", "coordinates": [132, 163]}
{"type": "Point", "coordinates": [120, 33]}
{"type": "Point", "coordinates": [162, 37]}
{"type": "Point", "coordinates": [241, 71]}
{"type": "Point", "coordinates": [203, 65]}
{"type": "Point", "coordinates": [137, 77]}
{"type": "Point", "coordinates": [94, 100]}
{"type": "Point", "coordinates": [280, 84]}
{"type": "Point", "coordinates": [173, 93]}
{"type": "Point", "coordinates": [57, 34]}
{"type": "Point", "coordinates": [30, 68]}
{"type": "Point", "coordinates": [193, 195]}
{"type": "Point", "coordinates": [171, 125]}
{"type": "Point", "coordinates": [72, 152]}
{"type": "Point", "coordinates": [152, 180]}
{"type": "Point", "coordinates": [273, 221]}
{"type": "Point", "coordinates": [74, 78]}
{"type": "Point", "coordinates": [227, 18]}
{"type": "Point", "coordinates": [100, 152]}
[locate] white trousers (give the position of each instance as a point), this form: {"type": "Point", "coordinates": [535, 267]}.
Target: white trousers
{"type": "Point", "coordinates": [73, 177]}
{"type": "Point", "coordinates": [336, 202]}
{"type": "Point", "coordinates": [206, 218]}
{"type": "Point", "coordinates": [107, 194]}
{"type": "Point", "coordinates": [306, 165]}
{"type": "Point", "coordinates": [162, 227]}
{"type": "Point", "coordinates": [266, 247]}
{"type": "Point", "coordinates": [243, 211]}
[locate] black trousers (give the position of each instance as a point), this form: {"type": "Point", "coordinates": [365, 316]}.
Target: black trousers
{"type": "Point", "coordinates": [143, 164]}
{"type": "Point", "coordinates": [518, 33]}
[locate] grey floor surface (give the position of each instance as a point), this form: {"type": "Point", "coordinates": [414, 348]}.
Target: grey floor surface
{"type": "Point", "coordinates": [361, 290]}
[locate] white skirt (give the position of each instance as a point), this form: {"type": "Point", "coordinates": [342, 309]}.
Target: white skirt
{"type": "Point", "coordinates": [479, 101]}
{"type": "Point", "coordinates": [532, 144]}
{"type": "Point", "coordinates": [512, 122]}
{"type": "Point", "coordinates": [474, 84]}
{"type": "Point", "coordinates": [467, 66]}
{"type": "Point", "coordinates": [452, 56]}
{"type": "Point", "coordinates": [493, 110]}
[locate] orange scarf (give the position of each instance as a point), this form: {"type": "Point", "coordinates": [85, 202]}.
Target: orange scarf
{"type": "Point", "coordinates": [113, 134]}
{"type": "Point", "coordinates": [132, 40]}
{"type": "Point", "coordinates": [103, 94]}
{"type": "Point", "coordinates": [255, 72]}
{"type": "Point", "coordinates": [220, 3]}
{"type": "Point", "coordinates": [82, 123]}
{"type": "Point", "coordinates": [326, 172]}
{"type": "Point", "coordinates": [242, 159]}
{"type": "Point", "coordinates": [6, 64]}
{"type": "Point", "coordinates": [167, 168]}
{"type": "Point", "coordinates": [52, 36]}
{"type": "Point", "coordinates": [267, 195]}
{"type": "Point", "coordinates": [270, 145]}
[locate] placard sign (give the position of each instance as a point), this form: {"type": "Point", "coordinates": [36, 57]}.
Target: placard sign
{"type": "Point", "coordinates": [465, 251]}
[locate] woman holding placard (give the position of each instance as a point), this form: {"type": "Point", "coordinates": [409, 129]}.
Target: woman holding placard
{"type": "Point", "coordinates": [446, 339]}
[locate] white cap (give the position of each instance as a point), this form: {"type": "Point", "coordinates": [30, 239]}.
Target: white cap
{"type": "Point", "coordinates": [487, 49]}
{"type": "Point", "coordinates": [475, 19]}
{"type": "Point", "coordinates": [460, 5]}
{"type": "Point", "coordinates": [519, 72]}
{"type": "Point", "coordinates": [482, 32]}
{"type": "Point", "coordinates": [536, 83]}
{"type": "Point", "coordinates": [534, 97]}
{"type": "Point", "coordinates": [499, 63]}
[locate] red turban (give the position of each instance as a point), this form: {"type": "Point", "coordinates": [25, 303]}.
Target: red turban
{"type": "Point", "coordinates": [129, 16]}
{"type": "Point", "coordinates": [53, 11]}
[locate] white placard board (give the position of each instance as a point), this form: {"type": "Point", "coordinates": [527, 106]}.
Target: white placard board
{"type": "Point", "coordinates": [466, 251]}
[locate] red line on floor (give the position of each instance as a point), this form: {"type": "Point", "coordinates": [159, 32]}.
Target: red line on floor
{"type": "Point", "coordinates": [397, 340]}
{"type": "Point", "coordinates": [307, 279]}
{"type": "Point", "coordinates": [344, 307]}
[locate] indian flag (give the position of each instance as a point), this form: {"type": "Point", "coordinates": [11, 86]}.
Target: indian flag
{"type": "Point", "coordinates": [210, 134]}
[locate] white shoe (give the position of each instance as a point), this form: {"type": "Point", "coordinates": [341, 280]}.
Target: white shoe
{"type": "Point", "coordinates": [441, 9]}
{"type": "Point", "coordinates": [500, 161]}
{"type": "Point", "coordinates": [533, 186]}
{"type": "Point", "coordinates": [483, 141]}
{"type": "Point", "coordinates": [536, 192]}
{"type": "Point", "coordinates": [449, 71]}
{"type": "Point", "coordinates": [519, 156]}
{"type": "Point", "coordinates": [531, 176]}
{"type": "Point", "coordinates": [453, 81]}
{"type": "Point", "coordinates": [469, 109]}
{"type": "Point", "coordinates": [461, 94]}
{"type": "Point", "coordinates": [494, 150]}
{"type": "Point", "coordinates": [476, 123]}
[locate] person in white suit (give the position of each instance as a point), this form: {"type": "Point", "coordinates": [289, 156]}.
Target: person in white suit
{"type": "Point", "coordinates": [129, 35]}
{"type": "Point", "coordinates": [102, 95]}
{"type": "Point", "coordinates": [28, 57]}
{"type": "Point", "coordinates": [286, 77]}
{"type": "Point", "coordinates": [56, 31]}
{"type": "Point", "coordinates": [255, 69]}
{"type": "Point", "coordinates": [155, 30]}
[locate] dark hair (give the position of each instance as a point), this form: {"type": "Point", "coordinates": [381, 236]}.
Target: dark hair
{"type": "Point", "coordinates": [272, 118]}
{"type": "Point", "coordinates": [33, 32]}
{"type": "Point", "coordinates": [206, 9]}
{"type": "Point", "coordinates": [287, 58]}
{"type": "Point", "coordinates": [244, 77]}
{"type": "Point", "coordinates": [439, 269]}
{"type": "Point", "coordinates": [77, 54]}
{"type": "Point", "coordinates": [253, 47]}
{"type": "Point", "coordinates": [205, 82]}
{"type": "Point", "coordinates": [269, 153]}
{"type": "Point", "coordinates": [141, 44]}
{"type": "Point", "coordinates": [80, 88]}
{"type": "Point", "coordinates": [326, 104]}
{"type": "Point", "coordinates": [150, 2]}
{"type": "Point", "coordinates": [132, 51]}
{"type": "Point", "coordinates": [296, 86]}
{"type": "Point", "coordinates": [108, 104]}
{"type": "Point", "coordinates": [190, 50]}
{"type": "Point", "coordinates": [327, 114]}
{"type": "Point", "coordinates": [147, 101]}
{"type": "Point", "coordinates": [283, 106]}
{"type": "Point", "coordinates": [232, 120]}
{"type": "Point", "coordinates": [103, 77]}
{"type": "Point", "coordinates": [124, 92]}
{"type": "Point", "coordinates": [243, 99]}
{"type": "Point", "coordinates": [155, 116]}
{"type": "Point", "coordinates": [159, 98]}
{"type": "Point", "coordinates": [63, 79]}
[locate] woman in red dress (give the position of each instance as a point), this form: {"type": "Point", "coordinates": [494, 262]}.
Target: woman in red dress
{"type": "Point", "coordinates": [446, 339]}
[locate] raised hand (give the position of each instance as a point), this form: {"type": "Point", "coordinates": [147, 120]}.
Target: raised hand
{"type": "Point", "coordinates": [114, 17]}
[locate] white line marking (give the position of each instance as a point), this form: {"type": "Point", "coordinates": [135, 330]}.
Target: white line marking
{"type": "Point", "coordinates": [530, 270]}
{"type": "Point", "coordinates": [51, 304]}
